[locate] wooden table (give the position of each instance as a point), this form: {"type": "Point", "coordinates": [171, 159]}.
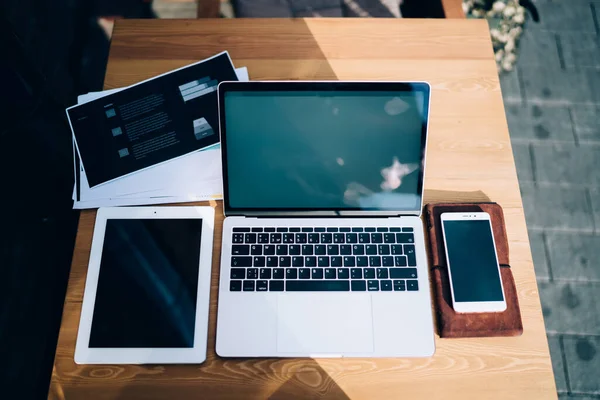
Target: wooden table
{"type": "Point", "coordinates": [469, 158]}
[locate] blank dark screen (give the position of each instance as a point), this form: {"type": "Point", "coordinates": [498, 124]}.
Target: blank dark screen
{"type": "Point", "coordinates": [472, 260]}
{"type": "Point", "coordinates": [147, 287]}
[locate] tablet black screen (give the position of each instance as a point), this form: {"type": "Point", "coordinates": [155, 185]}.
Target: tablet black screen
{"type": "Point", "coordinates": [147, 286]}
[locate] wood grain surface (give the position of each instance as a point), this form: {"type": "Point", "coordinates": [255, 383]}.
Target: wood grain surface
{"type": "Point", "coordinates": [469, 159]}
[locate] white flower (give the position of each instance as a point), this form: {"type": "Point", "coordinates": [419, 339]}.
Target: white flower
{"type": "Point", "coordinates": [510, 57]}
{"type": "Point", "coordinates": [465, 8]}
{"type": "Point", "coordinates": [477, 13]}
{"type": "Point", "coordinates": [498, 6]}
{"type": "Point", "coordinates": [519, 19]}
{"type": "Point", "coordinates": [507, 66]}
{"type": "Point", "coordinates": [509, 11]}
{"type": "Point", "coordinates": [499, 55]}
{"type": "Point", "coordinates": [509, 46]}
{"type": "Point", "coordinates": [495, 33]}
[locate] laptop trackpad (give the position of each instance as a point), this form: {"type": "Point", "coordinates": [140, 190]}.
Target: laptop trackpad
{"type": "Point", "coordinates": [324, 323]}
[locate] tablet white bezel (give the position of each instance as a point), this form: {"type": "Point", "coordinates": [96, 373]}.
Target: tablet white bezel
{"type": "Point", "coordinates": [194, 355]}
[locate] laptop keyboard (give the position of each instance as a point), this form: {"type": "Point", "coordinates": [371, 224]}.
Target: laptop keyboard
{"type": "Point", "coordinates": [323, 259]}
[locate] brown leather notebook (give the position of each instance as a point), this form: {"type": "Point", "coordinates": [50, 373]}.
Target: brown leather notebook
{"type": "Point", "coordinates": [455, 325]}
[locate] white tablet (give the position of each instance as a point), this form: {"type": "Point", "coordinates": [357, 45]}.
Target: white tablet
{"type": "Point", "coordinates": [148, 286]}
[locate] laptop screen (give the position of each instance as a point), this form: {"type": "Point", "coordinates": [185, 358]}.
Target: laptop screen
{"type": "Point", "coordinates": [313, 147]}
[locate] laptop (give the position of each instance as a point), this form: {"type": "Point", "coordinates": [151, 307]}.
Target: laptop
{"type": "Point", "coordinates": [323, 250]}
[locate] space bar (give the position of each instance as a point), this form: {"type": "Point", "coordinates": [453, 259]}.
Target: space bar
{"type": "Point", "coordinates": [317, 286]}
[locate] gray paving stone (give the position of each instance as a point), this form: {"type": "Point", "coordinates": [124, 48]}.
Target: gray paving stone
{"type": "Point", "coordinates": [580, 50]}
{"type": "Point", "coordinates": [557, 363]}
{"type": "Point", "coordinates": [523, 162]}
{"type": "Point", "coordinates": [564, 16]}
{"type": "Point", "coordinates": [556, 208]}
{"type": "Point", "coordinates": [511, 91]}
{"type": "Point", "coordinates": [567, 164]}
{"type": "Point", "coordinates": [556, 86]}
{"type": "Point", "coordinates": [538, 252]}
{"type": "Point", "coordinates": [532, 123]}
{"type": "Point", "coordinates": [583, 360]}
{"type": "Point", "coordinates": [570, 307]}
{"type": "Point", "coordinates": [574, 257]}
{"type": "Point", "coordinates": [586, 120]}
{"type": "Point", "coordinates": [595, 200]}
{"type": "Point", "coordinates": [538, 49]}
{"type": "Point", "coordinates": [576, 396]}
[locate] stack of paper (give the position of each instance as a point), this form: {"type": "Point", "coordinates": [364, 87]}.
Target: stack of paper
{"type": "Point", "coordinates": [193, 176]}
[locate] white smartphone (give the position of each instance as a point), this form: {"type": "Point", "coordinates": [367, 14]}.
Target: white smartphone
{"type": "Point", "coordinates": [473, 269]}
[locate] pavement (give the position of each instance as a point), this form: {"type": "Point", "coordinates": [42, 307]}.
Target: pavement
{"type": "Point", "coordinates": [552, 102]}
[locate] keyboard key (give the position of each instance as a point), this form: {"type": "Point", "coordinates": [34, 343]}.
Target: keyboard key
{"type": "Point", "coordinates": [405, 238]}
{"type": "Point", "coordinates": [307, 250]}
{"type": "Point", "coordinates": [389, 238]}
{"type": "Point", "coordinates": [339, 238]}
{"type": "Point", "coordinates": [382, 229]}
{"type": "Point", "coordinates": [351, 238]}
{"type": "Point", "coordinates": [313, 238]}
{"type": "Point", "coordinates": [294, 250]}
{"type": "Point", "coordinates": [412, 285]}
{"type": "Point", "coordinates": [371, 249]}
{"type": "Point", "coordinates": [240, 250]}
{"type": "Point", "coordinates": [316, 273]}
{"type": "Point", "coordinates": [248, 286]}
{"type": "Point", "coordinates": [397, 249]}
{"type": "Point", "coordinates": [403, 273]}
{"type": "Point", "coordinates": [364, 238]}
{"type": "Point", "coordinates": [265, 273]}
{"type": "Point", "coordinates": [238, 273]}
{"type": "Point", "coordinates": [257, 229]}
{"type": "Point", "coordinates": [326, 237]}
{"type": "Point", "coordinates": [336, 261]}
{"type": "Point", "coordinates": [376, 238]}
{"type": "Point", "coordinates": [269, 249]}
{"type": "Point", "coordinates": [241, 261]}
{"type": "Point", "coordinates": [362, 261]}
{"type": "Point", "coordinates": [278, 273]}
{"type": "Point", "coordinates": [345, 249]}
{"type": "Point", "coordinates": [297, 261]}
{"type": "Point", "coordinates": [370, 230]}
{"type": "Point", "coordinates": [250, 238]}
{"type": "Point", "coordinates": [349, 261]}
{"type": "Point", "coordinates": [269, 229]}
{"type": "Point", "coordinates": [275, 238]}
{"type": "Point", "coordinates": [291, 273]}
{"type": "Point", "coordinates": [294, 229]}
{"type": "Point", "coordinates": [301, 238]}
{"type": "Point", "coordinates": [332, 229]}
{"type": "Point", "coordinates": [288, 238]}
{"type": "Point", "coordinates": [372, 285]}
{"type": "Point", "coordinates": [323, 261]}
{"type": "Point", "coordinates": [304, 273]}
{"type": "Point", "coordinates": [400, 261]}
{"type": "Point", "coordinates": [358, 286]}
{"type": "Point", "coordinates": [263, 238]}
{"type": "Point", "coordinates": [357, 229]}
{"type": "Point", "coordinates": [383, 249]}
{"type": "Point", "coordinates": [382, 273]}
{"type": "Point", "coordinates": [407, 229]}
{"type": "Point", "coordinates": [258, 261]}
{"type": "Point", "coordinates": [282, 229]}
{"type": "Point", "coordinates": [317, 286]}
{"type": "Point", "coordinates": [343, 273]}
{"type": "Point", "coordinates": [285, 261]}
{"type": "Point", "coordinates": [395, 230]}
{"type": "Point", "coordinates": [320, 250]}
{"type": "Point", "coordinates": [399, 286]}
{"type": "Point", "coordinates": [356, 273]}
{"type": "Point", "coordinates": [238, 238]}
{"type": "Point", "coordinates": [386, 285]}
{"type": "Point", "coordinates": [282, 250]}
{"type": "Point", "coordinates": [241, 229]}
{"type": "Point", "coordinates": [375, 261]}
{"type": "Point", "coordinates": [310, 261]}
{"type": "Point", "coordinates": [333, 250]}
{"type": "Point", "coordinates": [319, 229]}
{"type": "Point", "coordinates": [252, 273]}
{"type": "Point", "coordinates": [344, 229]}
{"type": "Point", "coordinates": [369, 273]}
{"type": "Point", "coordinates": [235, 286]}
{"type": "Point", "coordinates": [276, 286]}
{"type": "Point", "coordinates": [330, 273]}
{"type": "Point", "coordinates": [409, 250]}
{"type": "Point", "coordinates": [387, 261]}
{"type": "Point", "coordinates": [261, 286]}
{"type": "Point", "coordinates": [307, 229]}
{"type": "Point", "coordinates": [256, 250]}
{"type": "Point", "coordinates": [272, 261]}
